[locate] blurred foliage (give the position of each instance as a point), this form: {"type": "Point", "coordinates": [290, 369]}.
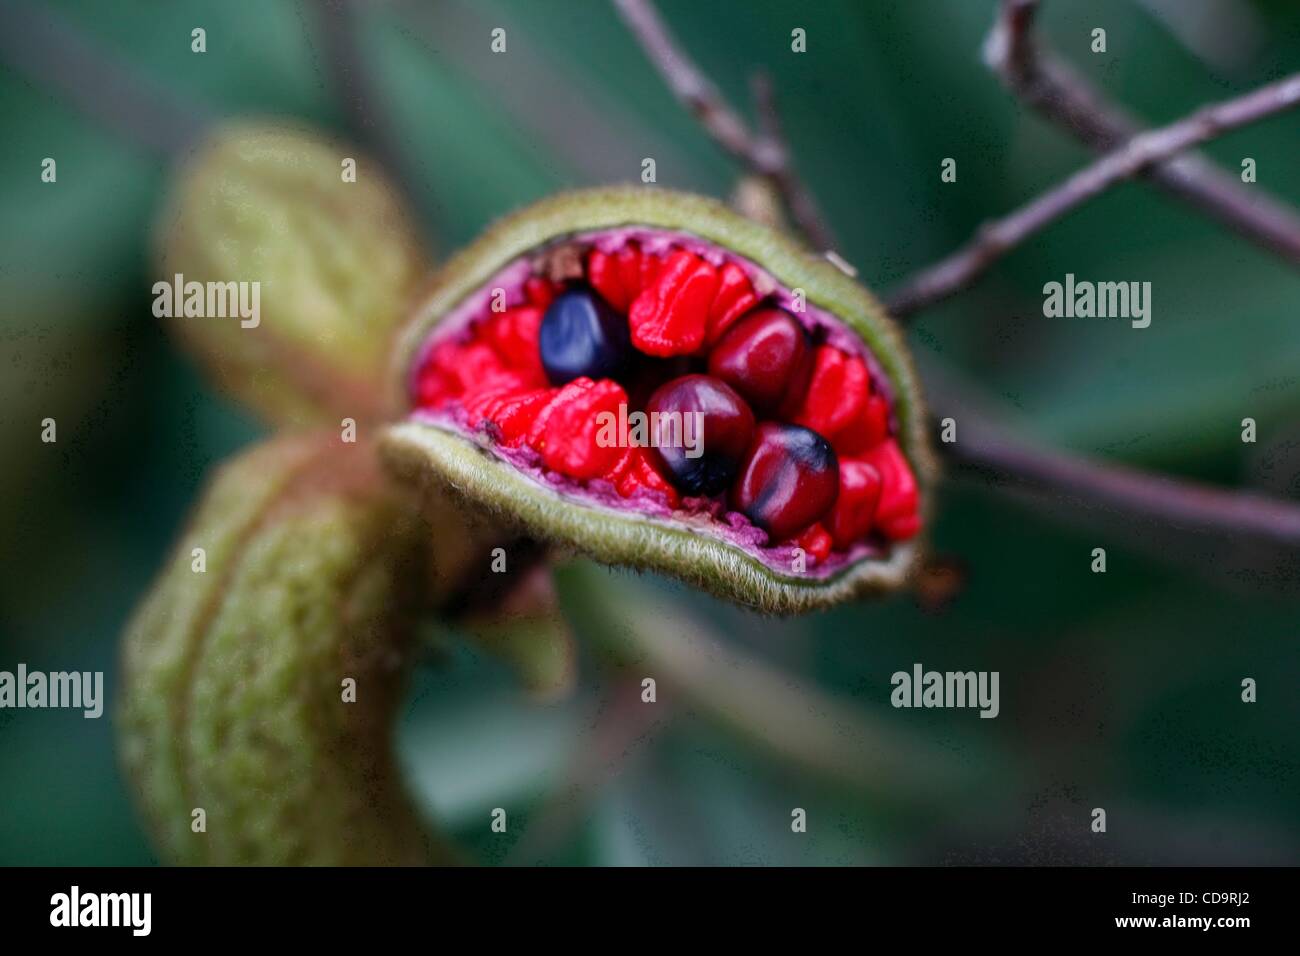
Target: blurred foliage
{"type": "Point", "coordinates": [1119, 690]}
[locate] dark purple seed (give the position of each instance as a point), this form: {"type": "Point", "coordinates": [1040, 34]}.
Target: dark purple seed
{"type": "Point", "coordinates": [763, 357]}
{"type": "Point", "coordinates": [700, 430]}
{"type": "Point", "coordinates": [581, 334]}
{"type": "Point", "coordinates": [789, 479]}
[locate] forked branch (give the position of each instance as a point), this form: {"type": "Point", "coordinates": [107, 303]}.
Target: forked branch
{"type": "Point", "coordinates": [999, 236]}
{"type": "Point", "coordinates": [765, 151]}
{"type": "Point", "coordinates": [1057, 92]}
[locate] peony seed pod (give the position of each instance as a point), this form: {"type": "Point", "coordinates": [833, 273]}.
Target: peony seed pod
{"type": "Point", "coordinates": [262, 673]}
{"type": "Point", "coordinates": [526, 374]}
{"type": "Point", "coordinates": [284, 273]}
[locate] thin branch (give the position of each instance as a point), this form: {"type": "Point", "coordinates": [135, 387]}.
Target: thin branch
{"type": "Point", "coordinates": [987, 448]}
{"type": "Point", "coordinates": [49, 51]}
{"type": "Point", "coordinates": [772, 139]}
{"type": "Point", "coordinates": [765, 152]}
{"type": "Point", "coordinates": [997, 237]}
{"type": "Point", "coordinates": [1056, 91]}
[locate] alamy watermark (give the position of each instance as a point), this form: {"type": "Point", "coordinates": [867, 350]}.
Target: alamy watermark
{"type": "Point", "coordinates": [922, 688]}
{"type": "Point", "coordinates": [1101, 300]}
{"type": "Point", "coordinates": [214, 300]}
{"type": "Point", "coordinates": [653, 429]}
{"type": "Point", "coordinates": [76, 690]}
{"type": "Point", "coordinates": [75, 908]}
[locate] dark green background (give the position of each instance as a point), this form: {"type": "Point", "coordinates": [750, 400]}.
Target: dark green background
{"type": "Point", "coordinates": [1118, 690]}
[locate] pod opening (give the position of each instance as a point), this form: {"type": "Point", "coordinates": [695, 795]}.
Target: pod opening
{"type": "Point", "coordinates": [651, 372]}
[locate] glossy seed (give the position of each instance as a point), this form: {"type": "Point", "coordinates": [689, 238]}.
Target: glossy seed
{"type": "Point", "coordinates": [790, 479]}
{"type": "Point", "coordinates": [763, 356]}
{"type": "Point", "coordinates": [700, 430]}
{"type": "Point", "coordinates": [582, 335]}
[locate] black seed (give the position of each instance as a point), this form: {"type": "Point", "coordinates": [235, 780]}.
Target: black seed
{"type": "Point", "coordinates": [582, 334]}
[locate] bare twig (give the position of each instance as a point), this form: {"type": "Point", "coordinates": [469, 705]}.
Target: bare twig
{"type": "Point", "coordinates": [1060, 94]}
{"type": "Point", "coordinates": [765, 152]}
{"type": "Point", "coordinates": [995, 238]}
{"type": "Point", "coordinates": [1144, 495]}
{"type": "Point", "coordinates": [41, 45]}
{"type": "Point", "coordinates": [987, 448]}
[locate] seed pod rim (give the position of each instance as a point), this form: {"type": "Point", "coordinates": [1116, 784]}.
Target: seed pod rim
{"type": "Point", "coordinates": [451, 459]}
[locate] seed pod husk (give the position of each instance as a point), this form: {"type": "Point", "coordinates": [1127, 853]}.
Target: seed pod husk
{"type": "Point", "coordinates": [336, 262]}
{"type": "Point", "coordinates": [550, 241]}
{"type": "Point", "coordinates": [235, 675]}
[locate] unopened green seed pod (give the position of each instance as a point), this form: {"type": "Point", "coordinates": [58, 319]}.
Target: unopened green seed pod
{"type": "Point", "coordinates": [285, 261]}
{"type": "Point", "coordinates": [263, 670]}
{"type": "Point", "coordinates": [702, 258]}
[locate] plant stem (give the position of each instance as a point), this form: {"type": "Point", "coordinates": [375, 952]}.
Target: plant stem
{"type": "Point", "coordinates": [997, 237]}
{"type": "Point", "coordinates": [766, 152]}
{"type": "Point", "coordinates": [1061, 95]}
{"type": "Point", "coordinates": [986, 448]}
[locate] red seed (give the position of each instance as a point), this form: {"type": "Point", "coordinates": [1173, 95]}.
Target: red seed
{"type": "Point", "coordinates": [566, 429]}
{"type": "Point", "coordinates": [483, 401]}
{"type": "Point", "coordinates": [760, 356]}
{"type": "Point", "coordinates": [603, 274]}
{"type": "Point", "coordinates": [621, 464]}
{"type": "Point", "coordinates": [815, 541]}
{"type": "Point", "coordinates": [867, 430]}
{"type": "Point", "coordinates": [836, 392]}
{"type": "Point", "coordinates": [513, 334]}
{"type": "Point", "coordinates": [464, 367]}
{"type": "Point", "coordinates": [896, 515]}
{"type": "Point", "coordinates": [855, 506]}
{"type": "Point", "coordinates": [431, 386]}
{"type": "Point", "coordinates": [536, 437]}
{"type": "Point", "coordinates": [437, 382]}
{"type": "Point", "coordinates": [902, 527]}
{"type": "Point", "coordinates": [735, 297]}
{"type": "Point", "coordinates": [638, 473]}
{"type": "Point", "coordinates": [516, 414]}
{"type": "Point", "coordinates": [650, 267]}
{"type": "Point", "coordinates": [539, 292]}
{"type": "Point", "coordinates": [629, 272]}
{"type": "Point", "coordinates": [668, 317]}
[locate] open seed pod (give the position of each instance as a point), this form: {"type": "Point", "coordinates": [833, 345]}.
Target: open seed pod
{"type": "Point", "coordinates": [269, 215]}
{"type": "Point", "coordinates": [262, 673]}
{"type": "Point", "coordinates": [659, 382]}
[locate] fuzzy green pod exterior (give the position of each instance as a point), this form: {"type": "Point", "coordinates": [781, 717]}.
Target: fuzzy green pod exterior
{"type": "Point", "coordinates": [443, 459]}
{"type": "Point", "coordinates": [236, 674]}
{"type": "Point", "coordinates": [335, 261]}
